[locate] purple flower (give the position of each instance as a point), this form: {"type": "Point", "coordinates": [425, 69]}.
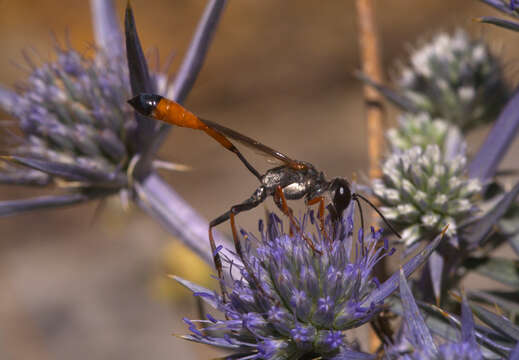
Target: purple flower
{"type": "Point", "coordinates": [292, 301]}
{"type": "Point", "coordinates": [77, 129]}
{"type": "Point", "coordinates": [79, 133]}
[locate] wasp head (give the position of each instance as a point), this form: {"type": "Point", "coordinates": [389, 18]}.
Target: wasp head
{"type": "Point", "coordinates": [145, 103]}
{"type": "Point", "coordinates": [341, 197]}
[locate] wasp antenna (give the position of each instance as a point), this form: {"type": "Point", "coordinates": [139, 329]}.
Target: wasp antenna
{"type": "Point", "coordinates": [145, 103]}
{"type": "Point", "coordinates": [356, 199]}
{"type": "Point", "coordinates": [379, 214]}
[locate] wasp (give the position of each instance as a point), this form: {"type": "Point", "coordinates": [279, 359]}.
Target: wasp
{"type": "Point", "coordinates": [290, 180]}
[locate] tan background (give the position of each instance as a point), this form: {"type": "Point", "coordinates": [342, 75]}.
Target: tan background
{"type": "Point", "coordinates": [280, 71]}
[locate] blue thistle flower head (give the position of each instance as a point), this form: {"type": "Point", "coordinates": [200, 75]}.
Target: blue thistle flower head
{"type": "Point", "coordinates": [291, 300]}
{"type": "Point", "coordinates": [73, 114]}
{"type": "Point", "coordinates": [77, 130]}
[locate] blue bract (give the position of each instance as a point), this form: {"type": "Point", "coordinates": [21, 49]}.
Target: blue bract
{"type": "Point", "coordinates": [417, 341]}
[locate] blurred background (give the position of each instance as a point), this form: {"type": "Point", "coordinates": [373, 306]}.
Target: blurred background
{"type": "Point", "coordinates": [75, 286]}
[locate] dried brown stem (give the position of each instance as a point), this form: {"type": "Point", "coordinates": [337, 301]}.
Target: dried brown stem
{"type": "Point", "coordinates": [371, 66]}
{"type": "Point", "coordinates": [374, 114]}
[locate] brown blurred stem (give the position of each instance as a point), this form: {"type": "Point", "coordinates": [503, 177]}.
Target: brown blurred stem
{"type": "Point", "coordinates": [371, 66]}
{"type": "Point", "coordinates": [374, 114]}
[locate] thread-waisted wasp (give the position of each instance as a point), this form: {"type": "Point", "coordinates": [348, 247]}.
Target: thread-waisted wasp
{"type": "Point", "coordinates": [291, 179]}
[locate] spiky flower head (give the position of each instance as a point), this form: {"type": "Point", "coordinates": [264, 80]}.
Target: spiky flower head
{"type": "Point", "coordinates": [424, 189]}
{"type": "Point", "coordinates": [293, 301]}
{"type": "Point", "coordinates": [77, 131]}
{"type": "Point", "coordinates": [416, 342]}
{"type": "Point", "coordinates": [75, 124]}
{"type": "Point", "coordinates": [418, 130]}
{"type": "Point", "coordinates": [455, 78]}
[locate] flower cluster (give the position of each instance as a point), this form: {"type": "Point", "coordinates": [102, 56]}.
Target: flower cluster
{"type": "Point", "coordinates": [455, 78]}
{"type": "Point", "coordinates": [75, 122]}
{"type": "Point", "coordinates": [423, 190]}
{"type": "Point", "coordinates": [292, 300]}
{"type": "Point", "coordinates": [419, 130]}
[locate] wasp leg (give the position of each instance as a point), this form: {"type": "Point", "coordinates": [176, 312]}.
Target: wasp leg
{"type": "Point", "coordinates": [217, 263]}
{"type": "Point", "coordinates": [218, 136]}
{"type": "Point", "coordinates": [320, 214]}
{"type": "Point", "coordinates": [257, 198]}
{"type": "Point", "coordinates": [281, 203]}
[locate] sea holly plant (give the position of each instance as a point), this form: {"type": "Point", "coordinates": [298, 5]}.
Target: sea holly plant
{"type": "Point", "coordinates": [427, 332]}
{"type": "Point", "coordinates": [421, 130]}
{"type": "Point", "coordinates": [292, 302]}
{"type": "Point", "coordinates": [428, 181]}
{"type": "Point", "coordinates": [424, 186]}
{"type": "Point", "coordinates": [78, 133]}
{"type": "Point", "coordinates": [452, 77]}
{"type": "Point", "coordinates": [298, 294]}
{"type": "Point", "coordinates": [415, 340]}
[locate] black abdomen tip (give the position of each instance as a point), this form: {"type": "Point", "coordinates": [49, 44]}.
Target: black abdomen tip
{"type": "Point", "coordinates": [145, 103]}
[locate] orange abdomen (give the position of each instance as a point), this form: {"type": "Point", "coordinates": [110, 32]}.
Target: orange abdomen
{"type": "Point", "coordinates": [173, 113]}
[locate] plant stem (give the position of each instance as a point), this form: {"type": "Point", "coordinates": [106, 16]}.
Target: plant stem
{"type": "Point", "coordinates": [374, 114]}
{"type": "Point", "coordinates": [370, 58]}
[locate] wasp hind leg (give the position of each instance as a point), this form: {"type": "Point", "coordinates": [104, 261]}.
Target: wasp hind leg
{"type": "Point", "coordinates": [257, 198]}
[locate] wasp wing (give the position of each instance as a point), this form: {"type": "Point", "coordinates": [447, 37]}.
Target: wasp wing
{"type": "Point", "coordinates": [273, 156]}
